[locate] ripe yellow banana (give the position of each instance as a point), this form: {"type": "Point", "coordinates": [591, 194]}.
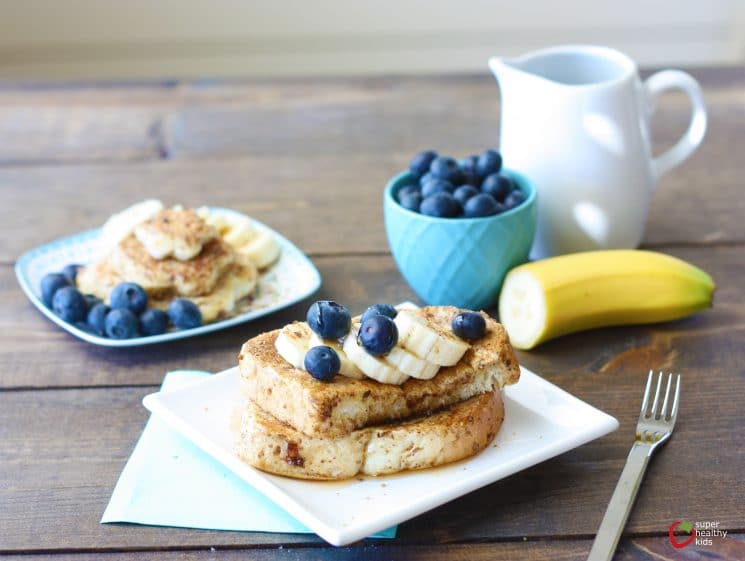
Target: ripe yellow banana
{"type": "Point", "coordinates": [560, 295]}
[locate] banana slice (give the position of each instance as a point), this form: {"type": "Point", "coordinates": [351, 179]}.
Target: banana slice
{"type": "Point", "coordinates": [263, 249]}
{"type": "Point", "coordinates": [373, 367]}
{"type": "Point", "coordinates": [348, 368]}
{"type": "Point", "coordinates": [240, 234]}
{"type": "Point", "coordinates": [239, 231]}
{"type": "Point", "coordinates": [218, 302]}
{"type": "Point", "coordinates": [410, 364]}
{"type": "Point", "coordinates": [121, 224]}
{"type": "Point", "coordinates": [235, 229]}
{"type": "Point", "coordinates": [174, 233]}
{"type": "Point", "coordinates": [238, 282]}
{"type": "Point", "coordinates": [293, 342]}
{"type": "Point", "coordinates": [426, 341]}
{"type": "Point", "coordinates": [215, 219]}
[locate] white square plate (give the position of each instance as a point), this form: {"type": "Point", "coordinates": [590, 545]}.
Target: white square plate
{"type": "Point", "coordinates": [292, 278]}
{"type": "Point", "coordinates": [541, 421]}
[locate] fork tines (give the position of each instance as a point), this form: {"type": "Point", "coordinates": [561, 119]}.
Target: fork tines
{"type": "Point", "coordinates": [661, 414]}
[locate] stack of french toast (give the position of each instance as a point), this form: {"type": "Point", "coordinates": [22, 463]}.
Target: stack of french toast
{"type": "Point", "coordinates": [431, 398]}
{"type": "Point", "coordinates": [208, 257]}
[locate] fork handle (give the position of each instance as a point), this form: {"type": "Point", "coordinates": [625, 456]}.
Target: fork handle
{"type": "Point", "coordinates": [620, 504]}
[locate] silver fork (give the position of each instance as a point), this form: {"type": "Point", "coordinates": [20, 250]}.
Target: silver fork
{"type": "Point", "coordinates": [654, 428]}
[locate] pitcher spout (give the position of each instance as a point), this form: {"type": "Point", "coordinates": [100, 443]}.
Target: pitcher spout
{"type": "Point", "coordinates": [517, 72]}
{"type": "Point", "coordinates": [568, 66]}
{"type": "Point", "coordinates": [500, 66]}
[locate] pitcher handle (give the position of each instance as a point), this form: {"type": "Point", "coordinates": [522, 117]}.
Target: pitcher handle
{"type": "Point", "coordinates": [661, 82]}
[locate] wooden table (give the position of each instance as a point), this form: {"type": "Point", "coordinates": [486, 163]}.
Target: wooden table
{"type": "Point", "coordinates": [310, 158]}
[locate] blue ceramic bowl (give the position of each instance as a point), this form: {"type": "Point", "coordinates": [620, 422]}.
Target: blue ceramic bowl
{"type": "Point", "coordinates": [459, 261]}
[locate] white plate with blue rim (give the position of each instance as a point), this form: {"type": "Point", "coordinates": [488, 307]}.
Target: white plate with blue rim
{"type": "Point", "coordinates": [291, 279]}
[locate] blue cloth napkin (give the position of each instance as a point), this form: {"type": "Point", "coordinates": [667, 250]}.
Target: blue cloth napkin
{"type": "Point", "coordinates": [168, 481]}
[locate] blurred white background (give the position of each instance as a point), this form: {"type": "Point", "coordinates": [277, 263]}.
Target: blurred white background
{"type": "Point", "coordinates": [140, 39]}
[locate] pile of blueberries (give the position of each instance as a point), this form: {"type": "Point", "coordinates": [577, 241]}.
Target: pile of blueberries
{"type": "Point", "coordinates": [126, 317]}
{"type": "Point", "coordinates": [470, 188]}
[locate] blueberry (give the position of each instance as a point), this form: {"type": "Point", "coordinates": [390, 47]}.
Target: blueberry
{"type": "Point", "coordinates": [328, 319]}
{"type": "Point", "coordinates": [469, 326]}
{"type": "Point", "coordinates": [442, 205]}
{"type": "Point", "coordinates": [489, 162]}
{"type": "Point", "coordinates": [121, 324]}
{"type": "Point", "coordinates": [322, 363]}
{"type": "Point", "coordinates": [447, 169]}
{"type": "Point", "coordinates": [420, 163]}
{"type": "Point", "coordinates": [71, 272]}
{"type": "Point", "coordinates": [83, 326]}
{"type": "Point", "coordinates": [50, 283]}
{"type": "Point", "coordinates": [411, 201]}
{"type": "Point", "coordinates": [378, 335]}
{"type": "Point", "coordinates": [481, 205]}
{"type": "Point", "coordinates": [465, 192]}
{"type": "Point", "coordinates": [498, 186]}
{"type": "Point", "coordinates": [184, 313]}
{"type": "Point", "coordinates": [470, 179]}
{"type": "Point", "coordinates": [515, 198]}
{"type": "Point", "coordinates": [468, 164]}
{"type": "Point", "coordinates": [69, 304]}
{"type": "Point", "coordinates": [436, 186]}
{"type": "Point", "coordinates": [153, 322]}
{"type": "Point", "coordinates": [97, 318]}
{"type": "Point", "coordinates": [130, 296]}
{"type": "Point", "coordinates": [91, 300]}
{"type": "Point", "coordinates": [406, 190]}
{"type": "Point", "coordinates": [426, 178]}
{"type": "Point", "coordinates": [379, 310]}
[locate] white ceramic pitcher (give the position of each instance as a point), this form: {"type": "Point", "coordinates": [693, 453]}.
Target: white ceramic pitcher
{"type": "Point", "coordinates": [575, 119]}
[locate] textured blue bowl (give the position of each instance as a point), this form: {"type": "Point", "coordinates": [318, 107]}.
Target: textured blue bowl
{"type": "Point", "coordinates": [459, 261]}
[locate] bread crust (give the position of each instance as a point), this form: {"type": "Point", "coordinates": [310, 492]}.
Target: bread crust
{"type": "Point", "coordinates": [344, 405]}
{"type": "Point", "coordinates": [457, 432]}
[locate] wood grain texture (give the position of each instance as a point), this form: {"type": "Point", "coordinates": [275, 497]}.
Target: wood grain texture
{"type": "Point", "coordinates": [63, 360]}
{"type": "Point", "coordinates": [60, 462]}
{"type": "Point", "coordinates": [709, 341]}
{"type": "Point", "coordinates": [326, 205]}
{"type": "Point", "coordinates": [637, 549]}
{"type": "Point", "coordinates": [301, 153]}
{"type": "Point", "coordinates": [331, 205]}
{"type": "Point", "coordinates": [83, 124]}
{"type": "Point", "coordinates": [310, 158]}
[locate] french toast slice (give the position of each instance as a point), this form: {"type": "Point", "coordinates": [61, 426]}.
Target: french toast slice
{"type": "Point", "coordinates": [196, 276]}
{"type": "Point", "coordinates": [178, 233]}
{"type": "Point", "coordinates": [238, 281]}
{"type": "Point", "coordinates": [337, 408]}
{"type": "Point", "coordinates": [459, 431]}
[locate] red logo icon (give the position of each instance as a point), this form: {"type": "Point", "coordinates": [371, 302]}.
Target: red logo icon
{"type": "Point", "coordinates": [683, 526]}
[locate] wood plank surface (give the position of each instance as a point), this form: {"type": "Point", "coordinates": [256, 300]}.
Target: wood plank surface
{"type": "Point", "coordinates": [709, 341]}
{"type": "Point", "coordinates": [63, 462]}
{"type": "Point", "coordinates": [68, 361]}
{"type": "Point", "coordinates": [115, 122]}
{"type": "Point", "coordinates": [310, 158]}
{"type": "Point", "coordinates": [305, 154]}
{"type": "Point", "coordinates": [635, 549]}
{"type": "Point", "coordinates": [83, 124]}
{"type": "Point", "coordinates": [325, 205]}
